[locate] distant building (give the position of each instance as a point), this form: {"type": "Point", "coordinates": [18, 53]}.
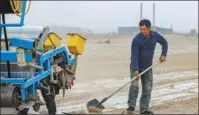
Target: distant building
{"type": "Point", "coordinates": [64, 30]}
{"type": "Point", "coordinates": [163, 30]}
{"type": "Point", "coordinates": [135, 30]}
{"type": "Point", "coordinates": [127, 30]}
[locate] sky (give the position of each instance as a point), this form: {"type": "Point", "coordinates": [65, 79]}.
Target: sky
{"type": "Point", "coordinates": [106, 16]}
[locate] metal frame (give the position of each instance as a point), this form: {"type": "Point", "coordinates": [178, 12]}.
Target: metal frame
{"type": "Point", "coordinates": [27, 44]}
{"type": "Point", "coordinates": [19, 24]}
{"type": "Point", "coordinates": [33, 82]}
{"type": "Point", "coordinates": [12, 56]}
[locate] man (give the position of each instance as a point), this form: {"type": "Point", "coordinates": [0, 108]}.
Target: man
{"type": "Point", "coordinates": [142, 51]}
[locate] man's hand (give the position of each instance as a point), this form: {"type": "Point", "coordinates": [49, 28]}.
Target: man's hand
{"type": "Point", "coordinates": [136, 73]}
{"type": "Point", "coordinates": [162, 58]}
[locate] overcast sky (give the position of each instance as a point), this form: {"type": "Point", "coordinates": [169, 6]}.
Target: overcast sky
{"type": "Point", "coordinates": [103, 16]}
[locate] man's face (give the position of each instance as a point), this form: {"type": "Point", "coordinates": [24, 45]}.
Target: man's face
{"type": "Point", "coordinates": [144, 30]}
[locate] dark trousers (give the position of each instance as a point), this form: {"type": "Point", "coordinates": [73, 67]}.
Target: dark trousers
{"type": "Point", "coordinates": [147, 84]}
{"type": "Point", "coordinates": [50, 101]}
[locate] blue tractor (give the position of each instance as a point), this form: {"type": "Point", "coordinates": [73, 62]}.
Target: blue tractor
{"type": "Point", "coordinates": [32, 64]}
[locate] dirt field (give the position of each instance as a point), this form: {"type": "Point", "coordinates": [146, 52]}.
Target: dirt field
{"type": "Point", "coordinates": [105, 67]}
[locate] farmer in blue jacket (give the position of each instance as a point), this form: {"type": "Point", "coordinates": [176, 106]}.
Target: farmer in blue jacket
{"type": "Point", "coordinates": [142, 51]}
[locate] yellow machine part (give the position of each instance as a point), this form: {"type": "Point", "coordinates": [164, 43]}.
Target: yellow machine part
{"type": "Point", "coordinates": [53, 39]}
{"type": "Point", "coordinates": [17, 5]}
{"type": "Point", "coordinates": [75, 43]}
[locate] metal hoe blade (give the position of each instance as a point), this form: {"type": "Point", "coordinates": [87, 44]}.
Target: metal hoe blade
{"type": "Point", "coordinates": [94, 106]}
{"type": "Point", "coordinates": [95, 103]}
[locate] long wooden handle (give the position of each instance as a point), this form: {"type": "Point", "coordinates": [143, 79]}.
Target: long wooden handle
{"type": "Point", "coordinates": [134, 79]}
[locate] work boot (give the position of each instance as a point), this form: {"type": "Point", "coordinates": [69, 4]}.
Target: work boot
{"type": "Point", "coordinates": [147, 113]}
{"type": "Point", "coordinates": [130, 110]}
